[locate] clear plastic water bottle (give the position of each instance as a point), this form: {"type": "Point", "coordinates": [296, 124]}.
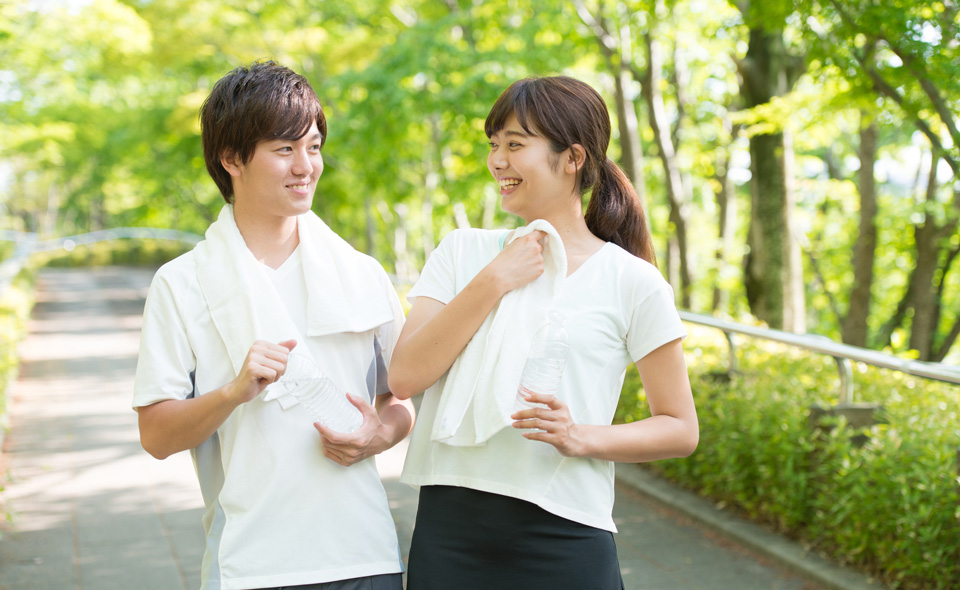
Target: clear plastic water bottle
{"type": "Point", "coordinates": [545, 363]}
{"type": "Point", "coordinates": [324, 401]}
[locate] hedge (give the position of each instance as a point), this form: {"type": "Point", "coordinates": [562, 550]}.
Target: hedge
{"type": "Point", "coordinates": [889, 507]}
{"type": "Point", "coordinates": [15, 305]}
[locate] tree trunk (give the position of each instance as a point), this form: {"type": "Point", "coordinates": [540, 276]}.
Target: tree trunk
{"type": "Point", "coordinates": [631, 152]}
{"type": "Point", "coordinates": [763, 275]}
{"type": "Point", "coordinates": [794, 288]}
{"type": "Point", "coordinates": [432, 162]}
{"type": "Point", "coordinates": [924, 287]}
{"type": "Point", "coordinates": [923, 300]}
{"type": "Point", "coordinates": [854, 327]}
{"type": "Point", "coordinates": [369, 223]}
{"type": "Point", "coordinates": [727, 206]}
{"type": "Point", "coordinates": [773, 265]}
{"type": "Point", "coordinates": [671, 169]}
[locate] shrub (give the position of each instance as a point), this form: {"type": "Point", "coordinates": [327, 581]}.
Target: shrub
{"type": "Point", "coordinates": [888, 507]}
{"type": "Point", "coordinates": [15, 305]}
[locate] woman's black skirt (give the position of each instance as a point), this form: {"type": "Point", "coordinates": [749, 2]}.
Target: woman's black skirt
{"type": "Point", "coordinates": [465, 539]}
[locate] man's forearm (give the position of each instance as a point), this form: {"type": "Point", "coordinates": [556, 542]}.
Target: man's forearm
{"type": "Point", "coordinates": [171, 426]}
{"type": "Point", "coordinates": [397, 417]}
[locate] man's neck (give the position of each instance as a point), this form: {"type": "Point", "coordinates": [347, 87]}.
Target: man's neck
{"type": "Point", "coordinates": [270, 239]}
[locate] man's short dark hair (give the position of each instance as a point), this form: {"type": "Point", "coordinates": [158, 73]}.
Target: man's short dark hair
{"type": "Point", "coordinates": [263, 102]}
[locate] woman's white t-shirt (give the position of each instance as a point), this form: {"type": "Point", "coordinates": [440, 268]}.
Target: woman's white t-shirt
{"type": "Point", "coordinates": [618, 309]}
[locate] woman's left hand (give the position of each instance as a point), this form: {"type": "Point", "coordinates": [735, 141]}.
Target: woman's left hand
{"type": "Point", "coordinates": [350, 448]}
{"type": "Point", "coordinates": [554, 425]}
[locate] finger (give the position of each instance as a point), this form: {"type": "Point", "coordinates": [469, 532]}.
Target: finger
{"type": "Point", "coordinates": [361, 404]}
{"type": "Point", "coordinates": [550, 401]}
{"type": "Point", "coordinates": [267, 371]}
{"type": "Point", "coordinates": [329, 437]}
{"type": "Point", "coordinates": [538, 435]}
{"type": "Point", "coordinates": [535, 424]}
{"type": "Point", "coordinates": [288, 344]}
{"type": "Point", "coordinates": [525, 414]}
{"type": "Point", "coordinates": [335, 457]}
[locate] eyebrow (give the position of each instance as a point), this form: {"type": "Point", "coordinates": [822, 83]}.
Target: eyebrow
{"type": "Point", "coordinates": [514, 133]}
{"type": "Point", "coordinates": [314, 137]}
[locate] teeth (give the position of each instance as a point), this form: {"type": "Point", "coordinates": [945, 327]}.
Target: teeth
{"type": "Point", "coordinates": [508, 182]}
{"type": "Point", "coordinates": [299, 187]}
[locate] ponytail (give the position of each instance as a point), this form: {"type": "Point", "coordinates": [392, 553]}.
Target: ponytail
{"type": "Point", "coordinates": [616, 215]}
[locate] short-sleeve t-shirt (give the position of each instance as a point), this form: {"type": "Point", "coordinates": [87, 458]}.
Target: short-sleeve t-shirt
{"type": "Point", "coordinates": [618, 309]}
{"type": "Point", "coordinates": [278, 513]}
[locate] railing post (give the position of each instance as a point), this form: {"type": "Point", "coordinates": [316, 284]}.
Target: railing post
{"type": "Point", "coordinates": [733, 365]}
{"type": "Point", "coordinates": [845, 368]}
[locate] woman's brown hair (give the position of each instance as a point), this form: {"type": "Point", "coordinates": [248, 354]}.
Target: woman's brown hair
{"type": "Point", "coordinates": [566, 111]}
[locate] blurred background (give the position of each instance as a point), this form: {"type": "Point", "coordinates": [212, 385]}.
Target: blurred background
{"type": "Point", "coordinates": [798, 158]}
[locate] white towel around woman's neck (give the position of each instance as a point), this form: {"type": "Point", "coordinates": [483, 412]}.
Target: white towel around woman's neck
{"type": "Point", "coordinates": [481, 385]}
{"type": "Point", "coordinates": [343, 293]}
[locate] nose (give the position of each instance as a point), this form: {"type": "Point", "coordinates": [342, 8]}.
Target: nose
{"type": "Point", "coordinates": [303, 164]}
{"type": "Point", "coordinates": [497, 159]}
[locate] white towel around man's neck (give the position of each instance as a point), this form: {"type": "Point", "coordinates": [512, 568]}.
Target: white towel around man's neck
{"type": "Point", "coordinates": [343, 293]}
{"type": "Point", "coordinates": [481, 385]}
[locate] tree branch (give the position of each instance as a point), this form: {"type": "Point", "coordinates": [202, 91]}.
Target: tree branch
{"type": "Point", "coordinates": [885, 89]}
{"type": "Point", "coordinates": [815, 265]}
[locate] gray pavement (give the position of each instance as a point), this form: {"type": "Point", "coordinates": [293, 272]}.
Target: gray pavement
{"type": "Point", "coordinates": [92, 511]}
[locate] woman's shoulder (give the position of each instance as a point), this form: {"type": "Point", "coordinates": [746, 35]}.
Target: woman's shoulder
{"type": "Point", "coordinates": [471, 238]}
{"type": "Point", "coordinates": [632, 265]}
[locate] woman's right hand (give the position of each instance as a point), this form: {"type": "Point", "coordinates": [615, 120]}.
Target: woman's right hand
{"type": "Point", "coordinates": [520, 262]}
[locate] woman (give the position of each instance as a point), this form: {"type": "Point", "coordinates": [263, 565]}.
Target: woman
{"type": "Point", "coordinates": [530, 507]}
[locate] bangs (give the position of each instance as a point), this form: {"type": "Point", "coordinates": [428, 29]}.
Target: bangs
{"type": "Point", "coordinates": [518, 100]}
{"type": "Point", "coordinates": [296, 112]}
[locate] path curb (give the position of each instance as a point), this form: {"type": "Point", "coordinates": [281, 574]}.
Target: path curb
{"type": "Point", "coordinates": [788, 553]}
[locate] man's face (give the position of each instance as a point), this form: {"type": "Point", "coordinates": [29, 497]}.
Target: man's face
{"type": "Point", "coordinates": [281, 177]}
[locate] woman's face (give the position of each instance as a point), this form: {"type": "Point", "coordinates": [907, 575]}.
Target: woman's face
{"type": "Point", "coordinates": [531, 175]}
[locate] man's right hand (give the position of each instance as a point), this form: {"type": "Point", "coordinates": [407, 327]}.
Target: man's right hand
{"type": "Point", "coordinates": [264, 364]}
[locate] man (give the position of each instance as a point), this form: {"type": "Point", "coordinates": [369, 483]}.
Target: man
{"type": "Point", "coordinates": [289, 501]}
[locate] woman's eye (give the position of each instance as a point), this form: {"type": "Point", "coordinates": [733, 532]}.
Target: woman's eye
{"type": "Point", "coordinates": [492, 145]}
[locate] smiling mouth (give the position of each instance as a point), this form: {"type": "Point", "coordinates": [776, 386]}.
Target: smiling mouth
{"type": "Point", "coordinates": [508, 183]}
{"type": "Point", "coordinates": [298, 187]}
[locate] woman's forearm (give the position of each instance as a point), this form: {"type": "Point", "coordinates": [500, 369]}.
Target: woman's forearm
{"type": "Point", "coordinates": [435, 334]}
{"type": "Point", "coordinates": [651, 439]}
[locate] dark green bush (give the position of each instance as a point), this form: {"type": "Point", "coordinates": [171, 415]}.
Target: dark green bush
{"type": "Point", "coordinates": [890, 507]}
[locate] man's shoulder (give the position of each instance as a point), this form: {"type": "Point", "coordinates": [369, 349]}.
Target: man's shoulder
{"type": "Point", "coordinates": [178, 272]}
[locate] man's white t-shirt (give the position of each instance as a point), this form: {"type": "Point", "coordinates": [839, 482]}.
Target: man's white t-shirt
{"type": "Point", "coordinates": [278, 513]}
{"type": "Point", "coordinates": [618, 309]}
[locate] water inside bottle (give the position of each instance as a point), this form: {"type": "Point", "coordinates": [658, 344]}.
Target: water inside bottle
{"type": "Point", "coordinates": [322, 399]}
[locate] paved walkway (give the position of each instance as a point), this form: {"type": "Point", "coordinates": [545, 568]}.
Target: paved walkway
{"type": "Point", "coordinates": [92, 511]}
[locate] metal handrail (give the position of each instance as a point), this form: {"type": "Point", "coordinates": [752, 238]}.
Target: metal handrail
{"type": "Point", "coordinates": [841, 353]}
{"type": "Point", "coordinates": [28, 243]}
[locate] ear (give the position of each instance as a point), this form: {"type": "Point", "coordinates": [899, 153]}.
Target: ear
{"type": "Point", "coordinates": [231, 163]}
{"type": "Point", "coordinates": [575, 159]}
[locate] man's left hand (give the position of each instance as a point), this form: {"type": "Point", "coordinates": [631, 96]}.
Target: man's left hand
{"type": "Point", "coordinates": [349, 448]}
